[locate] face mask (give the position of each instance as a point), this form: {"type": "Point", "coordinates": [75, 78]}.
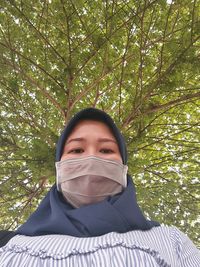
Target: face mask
{"type": "Point", "coordinates": [89, 180]}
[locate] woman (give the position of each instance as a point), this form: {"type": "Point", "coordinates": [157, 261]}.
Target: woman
{"type": "Point", "coordinates": [91, 216]}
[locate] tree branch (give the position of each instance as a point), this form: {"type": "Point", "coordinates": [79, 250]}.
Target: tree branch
{"type": "Point", "coordinates": [42, 90]}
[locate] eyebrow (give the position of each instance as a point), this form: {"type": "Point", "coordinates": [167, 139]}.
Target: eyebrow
{"type": "Point", "coordinates": [99, 140]}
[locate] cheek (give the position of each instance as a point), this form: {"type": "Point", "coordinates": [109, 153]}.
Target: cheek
{"type": "Point", "coordinates": [68, 156]}
{"type": "Point", "coordinates": [63, 157]}
{"type": "Point", "coordinates": [118, 158]}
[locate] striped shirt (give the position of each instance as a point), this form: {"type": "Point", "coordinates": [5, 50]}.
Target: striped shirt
{"type": "Point", "coordinates": [160, 246]}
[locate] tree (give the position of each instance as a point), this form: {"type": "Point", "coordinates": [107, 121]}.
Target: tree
{"type": "Point", "coordinates": [138, 61]}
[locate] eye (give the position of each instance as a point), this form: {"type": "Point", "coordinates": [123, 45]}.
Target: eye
{"type": "Point", "coordinates": [106, 151]}
{"type": "Point", "coordinates": [76, 150]}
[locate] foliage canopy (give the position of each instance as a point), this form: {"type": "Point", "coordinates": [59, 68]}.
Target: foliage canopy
{"type": "Point", "coordinates": [138, 61]}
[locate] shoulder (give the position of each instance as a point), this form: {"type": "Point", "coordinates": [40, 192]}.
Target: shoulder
{"type": "Point", "coordinates": [187, 253]}
{"type": "Point", "coordinates": [5, 236]}
{"type": "Point", "coordinates": [171, 243]}
{"type": "Point", "coordinates": [162, 233]}
{"type": "Point", "coordinates": [175, 235]}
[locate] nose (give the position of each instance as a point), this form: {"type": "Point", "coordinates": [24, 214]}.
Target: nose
{"type": "Point", "coordinates": [91, 151]}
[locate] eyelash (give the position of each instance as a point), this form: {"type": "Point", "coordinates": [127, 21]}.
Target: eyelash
{"type": "Point", "coordinates": [78, 149]}
{"type": "Point", "coordinates": [110, 150]}
{"type": "Point", "coordinates": [74, 150]}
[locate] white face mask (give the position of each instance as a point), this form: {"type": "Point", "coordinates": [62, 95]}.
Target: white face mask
{"type": "Point", "coordinates": [88, 180]}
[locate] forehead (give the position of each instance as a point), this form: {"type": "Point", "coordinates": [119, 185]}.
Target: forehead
{"type": "Point", "coordinates": [99, 127]}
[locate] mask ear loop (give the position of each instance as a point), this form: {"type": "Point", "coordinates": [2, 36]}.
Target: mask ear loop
{"type": "Point", "coordinates": [125, 168]}
{"type": "Point", "coordinates": [58, 186]}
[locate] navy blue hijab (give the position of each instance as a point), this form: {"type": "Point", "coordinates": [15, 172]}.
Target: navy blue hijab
{"type": "Point", "coordinates": [119, 213]}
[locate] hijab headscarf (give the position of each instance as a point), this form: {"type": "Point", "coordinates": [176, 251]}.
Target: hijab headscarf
{"type": "Point", "coordinates": [119, 213]}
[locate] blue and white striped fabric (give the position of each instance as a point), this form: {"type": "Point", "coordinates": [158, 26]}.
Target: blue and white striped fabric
{"type": "Point", "coordinates": [160, 246]}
